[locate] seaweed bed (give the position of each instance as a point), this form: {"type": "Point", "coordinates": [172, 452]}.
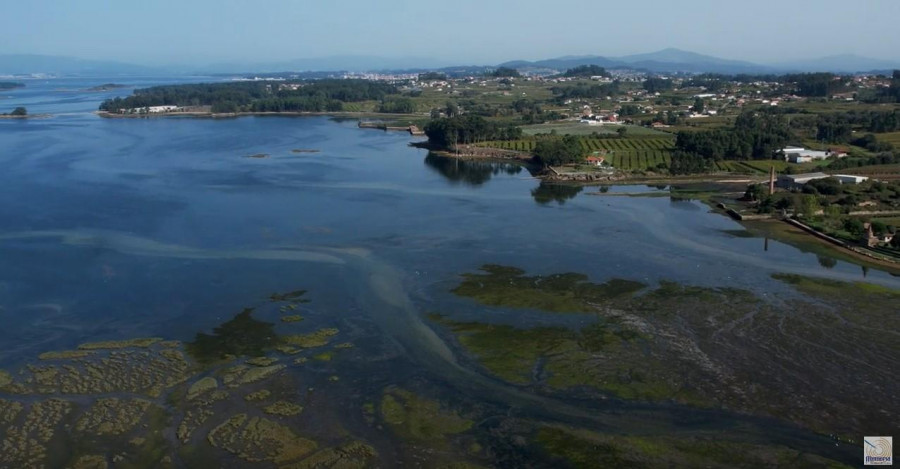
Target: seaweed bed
{"type": "Point", "coordinates": [796, 357]}
{"type": "Point", "coordinates": [272, 394]}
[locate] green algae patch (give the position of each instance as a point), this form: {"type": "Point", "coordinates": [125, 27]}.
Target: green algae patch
{"type": "Point", "coordinates": [27, 444]}
{"type": "Point", "coordinates": [242, 374]}
{"type": "Point", "coordinates": [835, 288]}
{"type": "Point", "coordinates": [585, 449]}
{"type": "Point", "coordinates": [261, 361]}
{"type": "Point", "coordinates": [243, 335]}
{"type": "Point", "coordinates": [65, 355]}
{"type": "Point", "coordinates": [506, 351]}
{"type": "Point", "coordinates": [260, 395]}
{"type": "Point", "coordinates": [202, 386]}
{"type": "Point", "coordinates": [295, 296]}
{"type": "Point", "coordinates": [283, 408]}
{"type": "Point", "coordinates": [147, 370]}
{"type": "Point", "coordinates": [602, 355]}
{"type": "Point", "coordinates": [91, 461]}
{"type": "Point", "coordinates": [112, 416]}
{"type": "Point", "coordinates": [417, 418]}
{"type": "Point", "coordinates": [257, 439]}
{"type": "Point", "coordinates": [292, 318]}
{"type": "Point", "coordinates": [120, 344]}
{"type": "Point", "coordinates": [5, 379]}
{"type": "Point", "coordinates": [324, 356]}
{"type": "Point", "coordinates": [352, 455]}
{"type": "Point", "coordinates": [560, 293]}
{"type": "Point", "coordinates": [318, 338]}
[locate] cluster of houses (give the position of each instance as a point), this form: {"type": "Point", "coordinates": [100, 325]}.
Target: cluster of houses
{"type": "Point", "coordinates": [588, 117]}
{"type": "Point", "coordinates": [151, 110]}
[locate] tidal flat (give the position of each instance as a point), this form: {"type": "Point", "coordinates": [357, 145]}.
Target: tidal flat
{"type": "Point", "coordinates": [168, 303]}
{"type": "Point", "coordinates": [721, 348]}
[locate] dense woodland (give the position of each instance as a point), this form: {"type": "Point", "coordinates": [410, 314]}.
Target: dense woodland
{"type": "Point", "coordinates": [586, 71]}
{"type": "Point", "coordinates": [753, 136]}
{"type": "Point", "coordinates": [448, 131]}
{"type": "Point", "coordinates": [315, 96]}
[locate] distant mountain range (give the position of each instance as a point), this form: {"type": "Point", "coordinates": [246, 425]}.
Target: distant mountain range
{"type": "Point", "coordinates": [676, 60]}
{"type": "Point", "coordinates": [664, 61]}
{"type": "Point", "coordinates": [27, 64]}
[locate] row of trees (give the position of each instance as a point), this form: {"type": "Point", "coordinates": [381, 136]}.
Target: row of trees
{"type": "Point", "coordinates": [313, 95]}
{"type": "Point", "coordinates": [887, 95]}
{"type": "Point", "coordinates": [505, 72]}
{"type": "Point", "coordinates": [584, 90]}
{"type": "Point", "coordinates": [838, 127]}
{"type": "Point", "coordinates": [448, 131]}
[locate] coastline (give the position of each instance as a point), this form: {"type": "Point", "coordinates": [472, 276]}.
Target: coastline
{"type": "Point", "coordinates": [29, 116]}
{"type": "Point", "coordinates": [208, 114]}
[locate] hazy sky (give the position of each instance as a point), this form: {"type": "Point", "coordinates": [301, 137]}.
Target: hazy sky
{"type": "Point", "coordinates": [456, 31]}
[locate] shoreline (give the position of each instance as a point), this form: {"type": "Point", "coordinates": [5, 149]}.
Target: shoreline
{"type": "Point", "coordinates": [214, 115]}
{"type": "Point", "coordinates": [29, 116]}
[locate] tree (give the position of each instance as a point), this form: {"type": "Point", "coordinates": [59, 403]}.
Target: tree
{"type": "Point", "coordinates": [809, 206]}
{"type": "Point", "coordinates": [854, 226]}
{"type": "Point", "coordinates": [452, 109]}
{"type": "Point", "coordinates": [557, 151]}
{"type": "Point", "coordinates": [505, 72]}
{"type": "Point", "coordinates": [699, 105]}
{"type": "Point", "coordinates": [586, 71]}
{"type": "Point", "coordinates": [656, 84]}
{"type": "Point", "coordinates": [19, 111]}
{"type": "Point", "coordinates": [755, 192]}
{"type": "Point", "coordinates": [622, 131]}
{"type": "Point", "coordinates": [879, 227]}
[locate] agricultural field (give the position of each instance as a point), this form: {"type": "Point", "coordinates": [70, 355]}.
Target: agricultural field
{"type": "Point", "coordinates": [892, 138]}
{"type": "Point", "coordinates": [577, 128]}
{"type": "Point", "coordinates": [640, 160]}
{"type": "Point", "coordinates": [887, 171]}
{"type": "Point", "coordinates": [628, 154]}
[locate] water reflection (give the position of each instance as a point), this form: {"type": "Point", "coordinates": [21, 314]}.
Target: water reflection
{"type": "Point", "coordinates": [559, 193]}
{"type": "Point", "coordinates": [473, 173]}
{"type": "Point", "coordinates": [827, 262]}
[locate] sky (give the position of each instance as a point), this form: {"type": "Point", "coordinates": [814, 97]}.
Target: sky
{"type": "Point", "coordinates": [166, 32]}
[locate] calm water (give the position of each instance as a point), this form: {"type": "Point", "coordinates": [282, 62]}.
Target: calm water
{"type": "Point", "coordinates": [113, 228]}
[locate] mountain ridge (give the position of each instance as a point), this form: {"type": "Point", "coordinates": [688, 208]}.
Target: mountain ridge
{"type": "Point", "coordinates": [669, 60]}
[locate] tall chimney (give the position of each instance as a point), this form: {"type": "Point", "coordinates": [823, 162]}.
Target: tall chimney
{"type": "Point", "coordinates": [772, 180]}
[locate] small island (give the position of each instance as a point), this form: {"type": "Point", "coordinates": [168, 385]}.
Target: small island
{"type": "Point", "coordinates": [10, 85]}
{"type": "Point", "coordinates": [106, 87]}
{"type": "Point", "coordinates": [17, 113]}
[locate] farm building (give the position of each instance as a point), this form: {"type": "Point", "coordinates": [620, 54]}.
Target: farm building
{"type": "Point", "coordinates": [802, 155]}
{"type": "Point", "coordinates": [595, 160]}
{"type": "Point", "coordinates": [796, 181]}
{"type": "Point", "coordinates": [850, 178]}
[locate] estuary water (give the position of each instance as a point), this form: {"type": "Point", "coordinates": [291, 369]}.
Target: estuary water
{"type": "Point", "coordinates": [120, 228]}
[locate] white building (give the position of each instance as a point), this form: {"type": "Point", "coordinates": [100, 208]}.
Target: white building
{"type": "Point", "coordinates": [802, 155]}
{"type": "Point", "coordinates": [850, 178]}
{"type": "Point", "coordinates": [796, 181]}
